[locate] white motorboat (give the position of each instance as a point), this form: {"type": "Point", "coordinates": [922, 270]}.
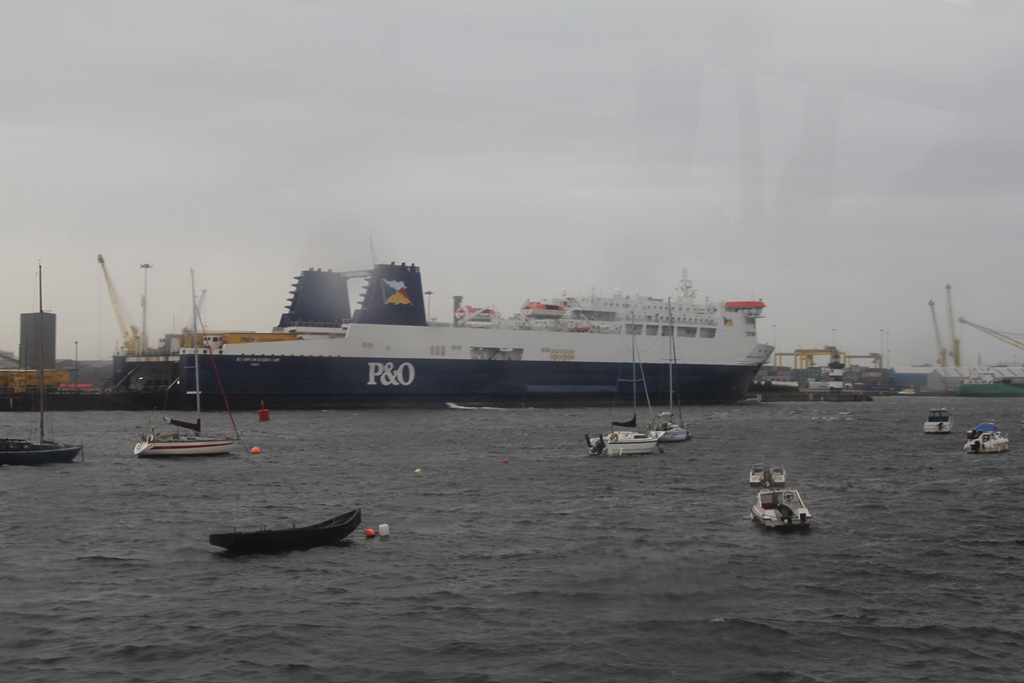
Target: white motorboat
{"type": "Point", "coordinates": [986, 438]}
{"type": "Point", "coordinates": [938, 422]}
{"type": "Point", "coordinates": [767, 475]}
{"type": "Point", "coordinates": [622, 442]}
{"type": "Point", "coordinates": [780, 508]}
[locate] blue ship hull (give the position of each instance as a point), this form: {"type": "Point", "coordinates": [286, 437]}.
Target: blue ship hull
{"type": "Point", "coordinates": [305, 382]}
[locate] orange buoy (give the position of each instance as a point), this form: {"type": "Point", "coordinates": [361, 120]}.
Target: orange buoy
{"type": "Point", "coordinates": [255, 450]}
{"type": "Point", "coordinates": [661, 449]}
{"type": "Point", "coordinates": [505, 461]}
{"type": "Point", "coordinates": [370, 533]}
{"type": "Point", "coordinates": [264, 413]}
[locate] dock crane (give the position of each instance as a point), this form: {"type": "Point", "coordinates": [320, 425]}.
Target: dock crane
{"type": "Point", "coordinates": [1007, 337]}
{"type": "Point", "coordinates": [129, 333]}
{"type": "Point", "coordinates": [954, 349]}
{"type": "Point", "coordinates": [938, 336]}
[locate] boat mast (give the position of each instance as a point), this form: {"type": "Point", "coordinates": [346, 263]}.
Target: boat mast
{"type": "Point", "coordinates": [671, 358]}
{"type": "Point", "coordinates": [195, 350]}
{"type": "Point", "coordinates": [42, 394]}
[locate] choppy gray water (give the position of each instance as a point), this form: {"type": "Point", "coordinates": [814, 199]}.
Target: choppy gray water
{"type": "Point", "coordinates": [555, 566]}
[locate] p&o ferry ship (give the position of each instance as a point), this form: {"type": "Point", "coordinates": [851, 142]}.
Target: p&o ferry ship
{"type": "Point", "coordinates": [556, 351]}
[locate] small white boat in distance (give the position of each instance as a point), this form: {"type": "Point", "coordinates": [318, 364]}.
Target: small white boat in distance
{"type": "Point", "coordinates": [667, 429]}
{"type": "Point", "coordinates": [767, 475]}
{"type": "Point", "coordinates": [986, 438]}
{"type": "Point", "coordinates": [938, 422]}
{"type": "Point", "coordinates": [622, 443]}
{"type": "Point", "coordinates": [780, 508]}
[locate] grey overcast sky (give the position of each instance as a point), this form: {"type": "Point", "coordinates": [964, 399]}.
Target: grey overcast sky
{"type": "Point", "coordinates": [843, 160]}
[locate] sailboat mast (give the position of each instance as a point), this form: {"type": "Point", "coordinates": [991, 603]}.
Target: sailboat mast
{"type": "Point", "coordinates": [42, 394]}
{"type": "Point", "coordinates": [195, 349]}
{"type": "Point", "coordinates": [672, 359]}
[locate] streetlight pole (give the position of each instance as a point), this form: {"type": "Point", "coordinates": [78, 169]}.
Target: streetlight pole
{"type": "Point", "coordinates": [145, 287]}
{"type": "Point", "coordinates": [881, 348]}
{"type": "Point", "coordinates": [76, 365]}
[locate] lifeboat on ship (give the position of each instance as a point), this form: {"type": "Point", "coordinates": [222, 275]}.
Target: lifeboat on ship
{"type": "Point", "coordinates": [538, 309]}
{"type": "Point", "coordinates": [469, 316]}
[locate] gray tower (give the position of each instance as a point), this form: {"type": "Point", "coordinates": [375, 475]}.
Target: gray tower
{"type": "Point", "coordinates": [28, 356]}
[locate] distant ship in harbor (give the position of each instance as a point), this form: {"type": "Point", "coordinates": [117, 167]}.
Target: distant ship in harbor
{"type": "Point", "coordinates": [984, 383]}
{"type": "Point", "coordinates": [554, 351]}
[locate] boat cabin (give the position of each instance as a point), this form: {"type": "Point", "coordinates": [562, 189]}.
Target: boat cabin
{"type": "Point", "coordinates": [770, 499]}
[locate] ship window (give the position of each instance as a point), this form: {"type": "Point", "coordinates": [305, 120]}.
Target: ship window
{"type": "Point", "coordinates": [686, 331]}
{"type": "Point", "coordinates": [707, 332]}
{"type": "Point", "coordinates": [494, 353]}
{"type": "Point", "coordinates": [634, 329]}
{"type": "Point", "coordinates": [652, 330]}
{"type": "Point", "coordinates": [666, 331]}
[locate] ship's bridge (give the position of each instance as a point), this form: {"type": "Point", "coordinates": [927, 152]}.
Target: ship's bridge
{"type": "Point", "coordinates": [748, 309]}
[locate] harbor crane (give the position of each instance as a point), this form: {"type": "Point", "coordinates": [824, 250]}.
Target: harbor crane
{"type": "Point", "coordinates": [938, 336]}
{"type": "Point", "coordinates": [129, 333]}
{"type": "Point", "coordinates": [1007, 337]}
{"type": "Point", "coordinates": [954, 348]}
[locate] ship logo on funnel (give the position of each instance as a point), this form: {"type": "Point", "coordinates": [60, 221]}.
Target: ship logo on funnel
{"type": "Point", "coordinates": [395, 292]}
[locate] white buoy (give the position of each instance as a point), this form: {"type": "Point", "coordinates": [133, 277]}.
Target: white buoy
{"type": "Point", "coordinates": [383, 530]}
{"type": "Point", "coordinates": [418, 472]}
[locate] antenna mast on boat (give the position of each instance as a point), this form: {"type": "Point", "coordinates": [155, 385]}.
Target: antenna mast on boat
{"type": "Point", "coordinates": [42, 394]}
{"type": "Point", "coordinates": [195, 348]}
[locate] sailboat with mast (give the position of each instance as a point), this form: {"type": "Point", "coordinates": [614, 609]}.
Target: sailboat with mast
{"type": "Point", "coordinates": [670, 426]}
{"type": "Point", "coordinates": [626, 440]}
{"type": "Point", "coordinates": [192, 441]}
{"type": "Point", "coordinates": [43, 451]}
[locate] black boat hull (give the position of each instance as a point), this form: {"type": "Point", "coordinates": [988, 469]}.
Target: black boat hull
{"type": "Point", "coordinates": [279, 540]}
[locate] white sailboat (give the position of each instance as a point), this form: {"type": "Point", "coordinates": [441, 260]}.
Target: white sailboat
{"type": "Point", "coordinates": [192, 441]}
{"type": "Point", "coordinates": [670, 426]}
{"type": "Point", "coordinates": [625, 441]}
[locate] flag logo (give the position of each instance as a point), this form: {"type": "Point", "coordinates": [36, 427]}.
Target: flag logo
{"type": "Point", "coordinates": [395, 292]}
{"type": "Point", "coordinates": [728, 322]}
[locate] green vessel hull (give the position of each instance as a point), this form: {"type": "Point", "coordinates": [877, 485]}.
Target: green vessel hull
{"type": "Point", "coordinates": [997, 389]}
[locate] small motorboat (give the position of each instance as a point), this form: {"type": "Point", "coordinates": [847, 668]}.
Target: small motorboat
{"type": "Point", "coordinates": [780, 508]}
{"type": "Point", "coordinates": [986, 438]}
{"type": "Point", "coordinates": [297, 538]}
{"type": "Point", "coordinates": [938, 422]}
{"type": "Point", "coordinates": [767, 475]}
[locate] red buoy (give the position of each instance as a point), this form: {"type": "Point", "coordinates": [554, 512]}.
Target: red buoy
{"type": "Point", "coordinates": [370, 533]}
{"type": "Point", "coordinates": [264, 413]}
